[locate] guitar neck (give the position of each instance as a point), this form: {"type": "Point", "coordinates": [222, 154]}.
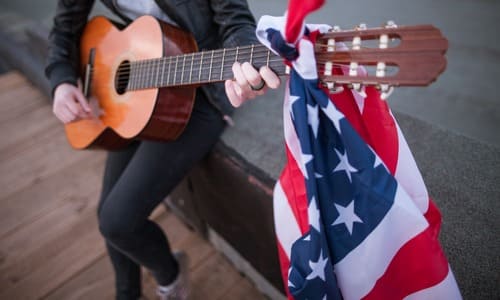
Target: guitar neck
{"type": "Point", "coordinates": [195, 68]}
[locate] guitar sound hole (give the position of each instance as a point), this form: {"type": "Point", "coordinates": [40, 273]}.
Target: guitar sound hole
{"type": "Point", "coordinates": [122, 77]}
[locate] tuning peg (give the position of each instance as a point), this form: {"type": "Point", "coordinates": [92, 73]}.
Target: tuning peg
{"type": "Point", "coordinates": [386, 90]}
{"type": "Point", "coordinates": [361, 26]}
{"type": "Point", "coordinates": [335, 28]}
{"type": "Point", "coordinates": [359, 88]}
{"type": "Point", "coordinates": [390, 24]}
{"type": "Point", "coordinates": [334, 88]}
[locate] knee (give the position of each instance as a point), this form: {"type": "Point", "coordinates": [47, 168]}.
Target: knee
{"type": "Point", "coordinates": [112, 226]}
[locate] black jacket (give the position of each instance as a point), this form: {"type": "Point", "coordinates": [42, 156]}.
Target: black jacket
{"type": "Point", "coordinates": [214, 23]}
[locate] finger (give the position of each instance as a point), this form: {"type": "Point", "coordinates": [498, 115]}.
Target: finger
{"type": "Point", "coordinates": [251, 75]}
{"type": "Point", "coordinates": [73, 107]}
{"type": "Point", "coordinates": [272, 80]}
{"type": "Point", "coordinates": [65, 116]}
{"type": "Point", "coordinates": [234, 97]}
{"type": "Point", "coordinates": [238, 74]}
{"type": "Point", "coordinates": [83, 102]}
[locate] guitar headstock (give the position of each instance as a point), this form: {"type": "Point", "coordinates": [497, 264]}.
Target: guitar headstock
{"type": "Point", "coordinates": [383, 57]}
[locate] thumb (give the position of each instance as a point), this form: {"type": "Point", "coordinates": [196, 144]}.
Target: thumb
{"type": "Point", "coordinates": [81, 99]}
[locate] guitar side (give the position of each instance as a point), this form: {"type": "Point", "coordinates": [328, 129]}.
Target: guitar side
{"type": "Point", "coordinates": [125, 115]}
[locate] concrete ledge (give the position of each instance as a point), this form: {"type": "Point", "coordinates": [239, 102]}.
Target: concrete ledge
{"type": "Point", "coordinates": [24, 48]}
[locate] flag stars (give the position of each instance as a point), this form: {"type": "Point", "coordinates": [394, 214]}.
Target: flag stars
{"type": "Point", "coordinates": [312, 116]}
{"type": "Point", "coordinates": [290, 284]}
{"type": "Point", "coordinates": [313, 213]}
{"type": "Point", "coordinates": [346, 216]}
{"type": "Point", "coordinates": [334, 115]}
{"type": "Point", "coordinates": [292, 100]}
{"type": "Point", "coordinates": [318, 267]}
{"type": "Point", "coordinates": [377, 162]}
{"type": "Point", "coordinates": [344, 165]}
{"type": "Point", "coordinates": [304, 160]}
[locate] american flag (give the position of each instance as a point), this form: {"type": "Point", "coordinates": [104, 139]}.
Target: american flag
{"type": "Point", "coordinates": [352, 214]}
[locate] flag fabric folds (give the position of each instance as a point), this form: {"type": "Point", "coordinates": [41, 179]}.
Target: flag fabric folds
{"type": "Point", "coordinates": [352, 215]}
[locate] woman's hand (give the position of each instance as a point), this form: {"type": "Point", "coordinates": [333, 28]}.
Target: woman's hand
{"type": "Point", "coordinates": [249, 83]}
{"type": "Point", "coordinates": [70, 104]}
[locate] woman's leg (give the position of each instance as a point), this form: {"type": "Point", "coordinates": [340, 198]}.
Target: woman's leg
{"type": "Point", "coordinates": [127, 272]}
{"type": "Point", "coordinates": [154, 169]}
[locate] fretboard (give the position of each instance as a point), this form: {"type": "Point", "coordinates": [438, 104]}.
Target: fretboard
{"type": "Point", "coordinates": [195, 68]}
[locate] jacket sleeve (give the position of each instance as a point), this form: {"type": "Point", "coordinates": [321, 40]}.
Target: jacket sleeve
{"type": "Point", "coordinates": [63, 53]}
{"type": "Point", "coordinates": [236, 22]}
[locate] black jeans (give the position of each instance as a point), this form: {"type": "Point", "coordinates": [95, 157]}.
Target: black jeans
{"type": "Point", "coordinates": [136, 180]}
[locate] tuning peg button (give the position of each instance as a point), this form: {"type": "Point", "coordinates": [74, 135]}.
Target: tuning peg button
{"type": "Point", "coordinates": [390, 24]}
{"type": "Point", "coordinates": [361, 26]}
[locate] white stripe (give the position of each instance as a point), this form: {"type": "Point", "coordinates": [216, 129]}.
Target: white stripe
{"type": "Point", "coordinates": [358, 272]}
{"type": "Point", "coordinates": [291, 138]}
{"type": "Point", "coordinates": [408, 175]}
{"type": "Point", "coordinates": [287, 229]}
{"type": "Point", "coordinates": [446, 289]}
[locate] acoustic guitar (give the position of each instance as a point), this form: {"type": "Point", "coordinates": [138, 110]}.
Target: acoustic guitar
{"type": "Point", "coordinates": [142, 79]}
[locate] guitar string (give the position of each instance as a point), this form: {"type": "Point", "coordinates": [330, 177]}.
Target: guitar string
{"type": "Point", "coordinates": [215, 58]}
{"type": "Point", "coordinates": [226, 75]}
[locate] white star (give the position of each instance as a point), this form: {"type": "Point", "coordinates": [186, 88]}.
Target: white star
{"type": "Point", "coordinates": [292, 100]}
{"type": "Point", "coordinates": [346, 216]}
{"type": "Point", "coordinates": [318, 175]}
{"type": "Point", "coordinates": [333, 114]}
{"type": "Point", "coordinates": [307, 238]}
{"type": "Point", "coordinates": [377, 162]}
{"type": "Point", "coordinates": [318, 268]}
{"type": "Point", "coordinates": [312, 116]}
{"type": "Point", "coordinates": [344, 165]}
{"type": "Point", "coordinates": [290, 284]}
{"type": "Point", "coordinates": [304, 160]}
{"type": "Point", "coordinates": [313, 213]}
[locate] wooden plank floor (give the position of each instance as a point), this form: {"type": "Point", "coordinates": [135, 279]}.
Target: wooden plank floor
{"type": "Point", "coordinates": [50, 247]}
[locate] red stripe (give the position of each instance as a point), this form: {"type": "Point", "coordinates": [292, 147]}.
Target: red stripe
{"type": "Point", "coordinates": [433, 216]}
{"type": "Point", "coordinates": [293, 184]}
{"type": "Point", "coordinates": [381, 128]}
{"type": "Point", "coordinates": [297, 11]}
{"type": "Point", "coordinates": [284, 265]}
{"type": "Point", "coordinates": [418, 265]}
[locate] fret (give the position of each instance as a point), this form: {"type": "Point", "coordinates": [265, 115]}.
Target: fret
{"type": "Point", "coordinates": [168, 72]}
{"type": "Point", "coordinates": [139, 79]}
{"type": "Point", "coordinates": [251, 55]}
{"type": "Point", "coordinates": [183, 65]}
{"type": "Point", "coordinates": [211, 63]}
{"type": "Point", "coordinates": [147, 74]}
{"type": "Point", "coordinates": [175, 71]}
{"type": "Point", "coordinates": [267, 58]}
{"type": "Point", "coordinates": [136, 74]}
{"type": "Point", "coordinates": [222, 64]}
{"type": "Point", "coordinates": [236, 55]}
{"type": "Point", "coordinates": [191, 69]}
{"type": "Point", "coordinates": [163, 70]}
{"type": "Point", "coordinates": [201, 65]}
{"type": "Point", "coordinates": [157, 73]}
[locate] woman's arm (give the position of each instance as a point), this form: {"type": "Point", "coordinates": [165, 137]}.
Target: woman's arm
{"type": "Point", "coordinates": [63, 56]}
{"type": "Point", "coordinates": [237, 28]}
{"type": "Point", "coordinates": [63, 59]}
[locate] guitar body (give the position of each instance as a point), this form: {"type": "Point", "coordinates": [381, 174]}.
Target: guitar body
{"type": "Point", "coordinates": [155, 114]}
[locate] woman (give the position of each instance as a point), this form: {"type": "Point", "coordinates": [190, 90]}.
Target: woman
{"type": "Point", "coordinates": [138, 177]}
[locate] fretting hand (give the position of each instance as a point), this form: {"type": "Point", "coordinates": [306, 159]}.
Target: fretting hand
{"type": "Point", "coordinates": [249, 83]}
